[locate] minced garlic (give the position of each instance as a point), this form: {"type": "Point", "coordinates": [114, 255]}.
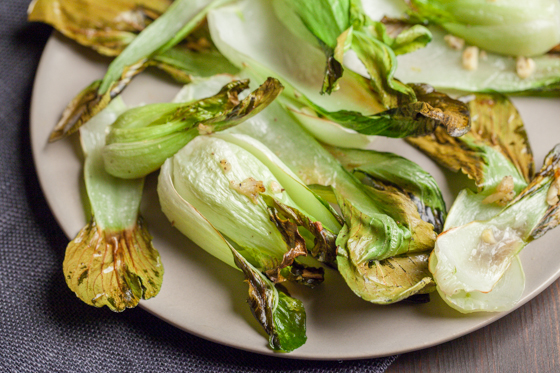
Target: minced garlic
{"type": "Point", "coordinates": [470, 58]}
{"type": "Point", "coordinates": [226, 166]}
{"type": "Point", "coordinates": [488, 236]}
{"type": "Point", "coordinates": [553, 193]}
{"type": "Point", "coordinates": [204, 129]}
{"type": "Point", "coordinates": [504, 192]}
{"type": "Point", "coordinates": [454, 42]}
{"type": "Point", "coordinates": [275, 187]}
{"type": "Point", "coordinates": [525, 67]}
{"type": "Point", "coordinates": [249, 187]}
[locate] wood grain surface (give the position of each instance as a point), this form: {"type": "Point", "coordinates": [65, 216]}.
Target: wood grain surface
{"type": "Point", "coordinates": [527, 340]}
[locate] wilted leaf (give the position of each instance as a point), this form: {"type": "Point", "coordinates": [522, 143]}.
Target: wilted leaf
{"type": "Point", "coordinates": [496, 127]}
{"type": "Point", "coordinates": [113, 269]}
{"type": "Point", "coordinates": [107, 26]}
{"type": "Point", "coordinates": [390, 280]}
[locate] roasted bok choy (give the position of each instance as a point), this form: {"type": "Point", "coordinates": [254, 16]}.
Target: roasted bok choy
{"type": "Point", "coordinates": [155, 45]}
{"type": "Point", "coordinates": [509, 27]}
{"type": "Point", "coordinates": [336, 26]}
{"type": "Point", "coordinates": [106, 26]}
{"type": "Point", "coordinates": [480, 257]}
{"type": "Point", "coordinates": [111, 261]}
{"type": "Point", "coordinates": [496, 154]}
{"type": "Point", "coordinates": [384, 249]}
{"type": "Point", "coordinates": [143, 138]}
{"type": "Point", "coordinates": [343, 118]}
{"type": "Point", "coordinates": [238, 201]}
{"type": "Point", "coordinates": [467, 49]}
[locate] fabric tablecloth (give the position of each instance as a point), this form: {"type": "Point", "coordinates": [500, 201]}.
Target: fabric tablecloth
{"type": "Point", "coordinates": [43, 326]}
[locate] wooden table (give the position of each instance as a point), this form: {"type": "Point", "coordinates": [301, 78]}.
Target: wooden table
{"type": "Point", "coordinates": [527, 340]}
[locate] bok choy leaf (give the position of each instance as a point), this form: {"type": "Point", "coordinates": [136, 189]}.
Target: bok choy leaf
{"type": "Point", "coordinates": [475, 257]}
{"type": "Point", "coordinates": [111, 261]}
{"type": "Point", "coordinates": [151, 47]}
{"type": "Point", "coordinates": [297, 64]}
{"type": "Point", "coordinates": [441, 66]}
{"type": "Point", "coordinates": [530, 28]}
{"type": "Point", "coordinates": [340, 25]}
{"type": "Point", "coordinates": [384, 282]}
{"type": "Point", "coordinates": [242, 194]}
{"type": "Point", "coordinates": [495, 147]}
{"type": "Point", "coordinates": [282, 317]}
{"type": "Point", "coordinates": [107, 26]}
{"type": "Point", "coordinates": [497, 155]}
{"type": "Point", "coordinates": [143, 138]}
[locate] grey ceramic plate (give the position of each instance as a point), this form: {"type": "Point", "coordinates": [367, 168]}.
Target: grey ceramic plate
{"type": "Point", "coordinates": [207, 298]}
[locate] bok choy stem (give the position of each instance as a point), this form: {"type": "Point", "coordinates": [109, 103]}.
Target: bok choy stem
{"type": "Point", "coordinates": [151, 46]}
{"type": "Point", "coordinates": [143, 138]}
{"type": "Point", "coordinates": [111, 261]}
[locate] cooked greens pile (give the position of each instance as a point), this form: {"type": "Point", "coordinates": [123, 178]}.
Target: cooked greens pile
{"type": "Point", "coordinates": [263, 179]}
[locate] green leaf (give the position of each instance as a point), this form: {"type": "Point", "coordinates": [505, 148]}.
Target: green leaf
{"type": "Point", "coordinates": [342, 25]}
{"type": "Point", "coordinates": [386, 171]}
{"type": "Point", "coordinates": [107, 26]}
{"type": "Point", "coordinates": [113, 268]}
{"type": "Point", "coordinates": [390, 280]}
{"type": "Point", "coordinates": [496, 145]}
{"type": "Point", "coordinates": [530, 28]}
{"type": "Point", "coordinates": [418, 118]}
{"type": "Point", "coordinates": [282, 317]}
{"type": "Point", "coordinates": [137, 148]}
{"type": "Point", "coordinates": [369, 236]}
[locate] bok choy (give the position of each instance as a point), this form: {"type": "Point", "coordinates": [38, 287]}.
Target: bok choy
{"type": "Point", "coordinates": [153, 46]}
{"type": "Point", "coordinates": [242, 192]}
{"type": "Point", "coordinates": [393, 264]}
{"type": "Point", "coordinates": [143, 138]}
{"type": "Point", "coordinates": [509, 27]}
{"type": "Point", "coordinates": [477, 258]}
{"type": "Point", "coordinates": [497, 156]}
{"type": "Point", "coordinates": [354, 110]}
{"type": "Point", "coordinates": [485, 24]}
{"type": "Point", "coordinates": [336, 26]}
{"type": "Point", "coordinates": [111, 261]}
{"type": "Point", "coordinates": [107, 26]}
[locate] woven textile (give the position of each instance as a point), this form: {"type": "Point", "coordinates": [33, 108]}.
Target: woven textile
{"type": "Point", "coordinates": [43, 327]}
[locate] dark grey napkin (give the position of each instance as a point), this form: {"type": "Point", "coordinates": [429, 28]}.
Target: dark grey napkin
{"type": "Point", "coordinates": [43, 326]}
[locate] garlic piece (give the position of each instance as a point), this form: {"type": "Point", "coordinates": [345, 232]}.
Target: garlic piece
{"type": "Point", "coordinates": [504, 192]}
{"type": "Point", "coordinates": [525, 67]}
{"type": "Point", "coordinates": [470, 58]}
{"type": "Point", "coordinates": [553, 192]}
{"type": "Point", "coordinates": [204, 129]}
{"type": "Point", "coordinates": [249, 187]}
{"type": "Point", "coordinates": [488, 236]}
{"type": "Point", "coordinates": [275, 187]}
{"type": "Point", "coordinates": [454, 42]}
